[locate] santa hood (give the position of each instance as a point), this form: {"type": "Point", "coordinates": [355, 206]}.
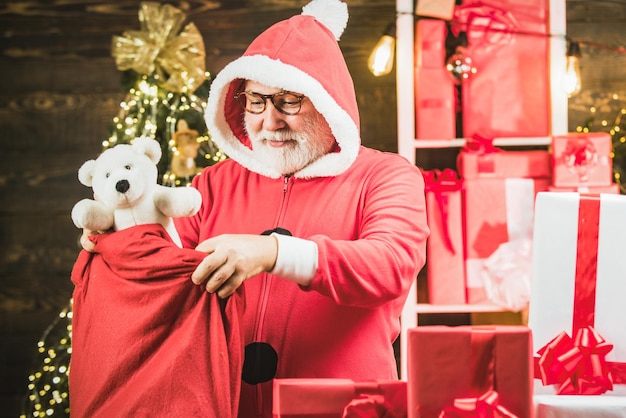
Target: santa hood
{"type": "Point", "coordinates": [302, 55]}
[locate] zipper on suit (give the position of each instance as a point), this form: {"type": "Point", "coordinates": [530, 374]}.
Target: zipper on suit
{"type": "Point", "coordinates": [267, 284]}
{"type": "Point", "coordinates": [267, 281]}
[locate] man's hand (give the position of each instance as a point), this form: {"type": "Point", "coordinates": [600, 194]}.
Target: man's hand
{"type": "Point", "coordinates": [232, 259]}
{"type": "Point", "coordinates": [85, 242]}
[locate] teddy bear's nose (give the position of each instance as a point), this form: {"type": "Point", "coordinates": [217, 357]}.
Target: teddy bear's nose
{"type": "Point", "coordinates": [122, 186]}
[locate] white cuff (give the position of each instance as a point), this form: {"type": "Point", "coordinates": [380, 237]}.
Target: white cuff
{"type": "Point", "coordinates": [296, 260]}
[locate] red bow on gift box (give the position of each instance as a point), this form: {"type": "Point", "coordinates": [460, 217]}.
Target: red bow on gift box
{"type": "Point", "coordinates": [484, 149]}
{"type": "Point", "coordinates": [484, 406]}
{"type": "Point", "coordinates": [578, 364]}
{"type": "Point", "coordinates": [480, 145]}
{"type": "Point", "coordinates": [580, 156]}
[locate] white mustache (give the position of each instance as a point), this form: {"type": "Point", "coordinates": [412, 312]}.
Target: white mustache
{"type": "Point", "coordinates": [279, 136]}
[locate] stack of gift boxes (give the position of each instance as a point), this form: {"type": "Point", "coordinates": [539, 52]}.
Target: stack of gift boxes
{"type": "Point", "coordinates": [481, 214]}
{"type": "Point", "coordinates": [499, 236]}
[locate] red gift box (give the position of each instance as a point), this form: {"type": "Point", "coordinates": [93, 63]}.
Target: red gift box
{"type": "Point", "coordinates": [497, 211]}
{"type": "Point", "coordinates": [453, 369]}
{"type": "Point", "coordinates": [582, 159]}
{"type": "Point", "coordinates": [430, 38]}
{"type": "Point", "coordinates": [480, 159]}
{"type": "Point", "coordinates": [445, 255]}
{"type": "Point", "coordinates": [334, 398]}
{"type": "Point", "coordinates": [435, 116]}
{"type": "Point", "coordinates": [509, 96]}
{"type": "Point", "coordinates": [434, 104]}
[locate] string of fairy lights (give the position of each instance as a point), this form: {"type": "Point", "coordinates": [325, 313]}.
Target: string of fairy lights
{"type": "Point", "coordinates": [152, 111]}
{"type": "Point", "coordinates": [48, 393]}
{"type": "Point", "coordinates": [608, 115]}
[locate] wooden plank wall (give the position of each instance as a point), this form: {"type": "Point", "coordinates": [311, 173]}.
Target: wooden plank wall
{"type": "Point", "coordinates": [59, 90]}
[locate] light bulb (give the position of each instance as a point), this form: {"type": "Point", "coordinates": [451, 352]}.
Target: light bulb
{"type": "Point", "coordinates": [571, 79]}
{"type": "Point", "coordinates": [460, 64]}
{"type": "Point", "coordinates": [380, 61]}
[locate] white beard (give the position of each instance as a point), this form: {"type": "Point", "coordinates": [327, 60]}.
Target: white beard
{"type": "Point", "coordinates": [305, 146]}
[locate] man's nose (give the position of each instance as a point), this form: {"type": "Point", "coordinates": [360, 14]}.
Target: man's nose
{"type": "Point", "coordinates": [272, 118]}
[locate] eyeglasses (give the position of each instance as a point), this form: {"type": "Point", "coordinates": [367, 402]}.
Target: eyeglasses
{"type": "Point", "coordinates": [284, 101]}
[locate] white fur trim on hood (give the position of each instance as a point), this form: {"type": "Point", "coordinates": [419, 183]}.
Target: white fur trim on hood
{"type": "Point", "coordinates": [300, 54]}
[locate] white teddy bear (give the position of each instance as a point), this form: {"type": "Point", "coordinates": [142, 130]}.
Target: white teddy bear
{"type": "Point", "coordinates": [126, 192]}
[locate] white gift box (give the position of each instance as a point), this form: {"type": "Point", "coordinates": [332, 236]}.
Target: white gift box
{"type": "Point", "coordinates": [570, 406]}
{"type": "Point", "coordinates": [558, 252]}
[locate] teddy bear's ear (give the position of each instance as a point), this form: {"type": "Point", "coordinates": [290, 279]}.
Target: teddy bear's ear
{"type": "Point", "coordinates": [85, 172]}
{"type": "Point", "coordinates": [148, 146]}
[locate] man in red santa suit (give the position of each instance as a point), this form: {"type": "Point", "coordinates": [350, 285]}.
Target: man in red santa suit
{"type": "Point", "coordinates": [325, 235]}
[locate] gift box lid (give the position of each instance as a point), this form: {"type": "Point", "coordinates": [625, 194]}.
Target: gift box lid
{"type": "Point", "coordinates": [327, 396]}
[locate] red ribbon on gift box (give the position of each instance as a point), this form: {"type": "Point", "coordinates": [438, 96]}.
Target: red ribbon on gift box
{"type": "Point", "coordinates": [485, 406]}
{"type": "Point", "coordinates": [484, 149]}
{"type": "Point", "coordinates": [477, 144]}
{"type": "Point", "coordinates": [487, 403]}
{"type": "Point", "coordinates": [440, 183]}
{"type": "Point", "coordinates": [578, 364]}
{"type": "Point", "coordinates": [485, 24]}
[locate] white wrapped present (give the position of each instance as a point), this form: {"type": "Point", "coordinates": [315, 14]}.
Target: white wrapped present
{"type": "Point", "coordinates": [577, 307]}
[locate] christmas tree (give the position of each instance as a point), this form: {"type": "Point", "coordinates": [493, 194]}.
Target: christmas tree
{"type": "Point", "coordinates": [167, 88]}
{"type": "Point", "coordinates": [608, 114]}
{"type": "Point", "coordinates": [163, 71]}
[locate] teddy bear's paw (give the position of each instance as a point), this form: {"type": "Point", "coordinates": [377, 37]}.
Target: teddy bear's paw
{"type": "Point", "coordinates": [92, 215]}
{"type": "Point", "coordinates": [177, 201]}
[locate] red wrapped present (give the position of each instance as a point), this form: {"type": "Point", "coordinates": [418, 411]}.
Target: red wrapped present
{"type": "Point", "coordinates": [509, 95]}
{"type": "Point", "coordinates": [434, 104]}
{"type": "Point", "coordinates": [435, 116]}
{"type": "Point", "coordinates": [498, 220]}
{"type": "Point", "coordinates": [499, 191]}
{"type": "Point", "coordinates": [445, 254]}
{"type": "Point", "coordinates": [430, 48]}
{"type": "Point", "coordinates": [582, 159]}
{"type": "Point", "coordinates": [470, 371]}
{"type": "Point", "coordinates": [479, 158]}
{"type": "Point", "coordinates": [339, 398]}
{"type": "Point", "coordinates": [577, 305]}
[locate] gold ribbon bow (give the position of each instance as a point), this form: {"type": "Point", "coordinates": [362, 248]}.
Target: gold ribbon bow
{"type": "Point", "coordinates": [175, 57]}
